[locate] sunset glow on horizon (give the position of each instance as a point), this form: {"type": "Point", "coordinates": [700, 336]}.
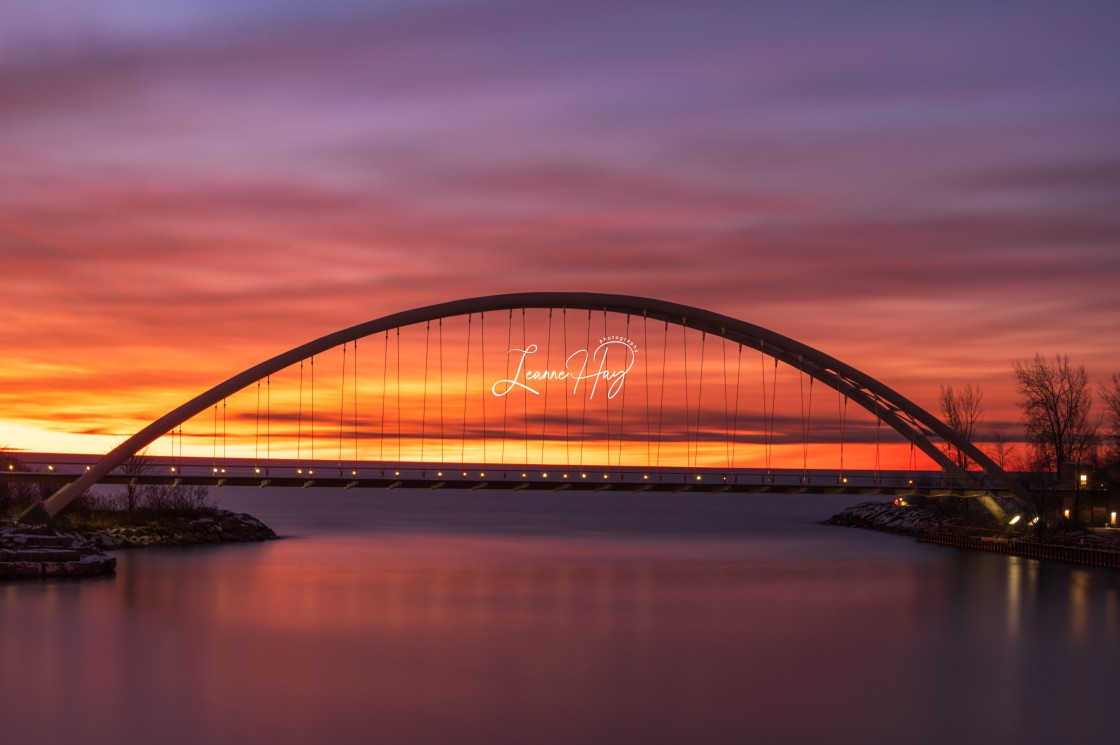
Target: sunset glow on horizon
{"type": "Point", "coordinates": [926, 192]}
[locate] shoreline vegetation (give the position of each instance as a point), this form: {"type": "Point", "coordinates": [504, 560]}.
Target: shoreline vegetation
{"type": "Point", "coordinates": [75, 542]}
{"type": "Point", "coordinates": [1091, 547]}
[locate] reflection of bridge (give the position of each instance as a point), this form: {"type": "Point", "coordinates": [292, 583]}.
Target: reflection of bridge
{"type": "Point", "coordinates": [569, 390]}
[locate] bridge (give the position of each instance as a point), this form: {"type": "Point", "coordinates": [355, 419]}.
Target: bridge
{"type": "Point", "coordinates": [549, 391]}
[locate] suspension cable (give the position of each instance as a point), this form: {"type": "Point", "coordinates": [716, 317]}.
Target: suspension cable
{"type": "Point", "coordinates": [524, 398]}
{"type": "Point", "coordinates": [400, 423]}
{"type": "Point", "coordinates": [312, 413]}
{"type": "Point", "coordinates": [843, 406]}
{"type": "Point", "coordinates": [482, 323]}
{"type": "Point", "coordinates": [606, 400]}
{"type": "Point", "coordinates": [466, 388]}
{"type": "Point", "coordinates": [384, 398]}
{"type": "Point", "coordinates": [442, 437]}
{"type": "Point", "coordinates": [661, 409]}
{"type": "Point", "coordinates": [256, 433]}
{"type": "Point", "coordinates": [735, 421]}
{"type": "Point", "coordinates": [699, 399]}
{"type": "Point", "coordinates": [267, 426]}
{"type": "Point", "coordinates": [342, 409]}
{"type": "Point", "coordinates": [355, 398]}
{"type": "Point", "coordinates": [804, 421]}
{"type": "Point", "coordinates": [726, 402]}
{"type": "Point", "coordinates": [424, 397]}
{"type": "Point", "coordinates": [765, 419]}
{"type": "Point", "coordinates": [583, 414]}
{"type": "Point", "coordinates": [299, 423]}
{"type": "Point", "coordinates": [878, 432]}
{"type": "Point", "coordinates": [567, 396]}
{"type": "Point", "coordinates": [505, 399]}
{"type": "Point", "coordinates": [214, 460]}
{"type": "Point", "coordinates": [622, 405]}
{"type": "Point", "coordinates": [649, 419]}
{"type": "Point", "coordinates": [547, 366]}
{"type": "Point", "coordinates": [687, 409]}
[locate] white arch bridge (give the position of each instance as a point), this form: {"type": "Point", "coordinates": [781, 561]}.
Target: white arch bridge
{"type": "Point", "coordinates": [553, 390]}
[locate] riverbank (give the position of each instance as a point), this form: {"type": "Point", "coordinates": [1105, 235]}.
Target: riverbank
{"type": "Point", "coordinates": [1089, 547]}
{"type": "Point", "coordinates": [78, 548]}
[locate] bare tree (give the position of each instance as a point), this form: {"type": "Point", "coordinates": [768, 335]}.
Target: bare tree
{"type": "Point", "coordinates": [1003, 452]}
{"type": "Point", "coordinates": [136, 466]}
{"type": "Point", "coordinates": [1056, 402]}
{"type": "Point", "coordinates": [963, 411]}
{"type": "Point", "coordinates": [1110, 394]}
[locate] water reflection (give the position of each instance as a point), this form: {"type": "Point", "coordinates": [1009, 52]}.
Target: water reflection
{"type": "Point", "coordinates": [786, 632]}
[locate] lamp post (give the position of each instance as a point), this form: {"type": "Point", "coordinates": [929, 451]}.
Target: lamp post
{"type": "Point", "coordinates": [1082, 479]}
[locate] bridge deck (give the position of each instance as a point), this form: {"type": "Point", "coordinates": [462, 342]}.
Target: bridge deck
{"type": "Point", "coordinates": [631, 482]}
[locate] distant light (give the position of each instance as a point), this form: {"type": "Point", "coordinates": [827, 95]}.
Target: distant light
{"type": "Point", "coordinates": [481, 475]}
{"type": "Point", "coordinates": [1014, 520]}
{"type": "Point", "coordinates": [11, 467]}
{"type": "Point", "coordinates": [172, 469]}
{"type": "Point", "coordinates": [256, 470]}
{"type": "Point", "coordinates": [1067, 513]}
{"type": "Point", "coordinates": [438, 473]}
{"type": "Point", "coordinates": [583, 475]}
{"type": "Point", "coordinates": [645, 476]}
{"type": "Point", "coordinates": [605, 476]}
{"type": "Point", "coordinates": [299, 471]}
{"type": "Point", "coordinates": [50, 467]}
{"type": "Point", "coordinates": [354, 473]}
{"type": "Point", "coordinates": [1113, 518]}
{"type": "Point", "coordinates": [223, 470]}
{"type": "Point", "coordinates": [565, 475]}
{"type": "Point", "coordinates": [309, 471]}
{"type": "Point", "coordinates": [544, 475]}
{"type": "Point", "coordinates": [87, 468]}
{"type": "Point", "coordinates": [396, 473]}
{"type": "Point", "coordinates": [1035, 520]}
{"type": "Point", "coordinates": [464, 473]}
{"type": "Point", "coordinates": [524, 475]}
{"type": "Point", "coordinates": [215, 469]}
{"type": "Point", "coordinates": [1084, 478]}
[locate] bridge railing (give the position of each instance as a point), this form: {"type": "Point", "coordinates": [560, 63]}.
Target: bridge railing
{"type": "Point", "coordinates": [459, 475]}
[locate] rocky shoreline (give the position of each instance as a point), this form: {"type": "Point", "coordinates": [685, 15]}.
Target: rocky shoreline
{"type": "Point", "coordinates": [1073, 546]}
{"type": "Point", "coordinates": [30, 551]}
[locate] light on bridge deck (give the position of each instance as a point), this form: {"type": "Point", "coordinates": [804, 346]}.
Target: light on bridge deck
{"type": "Point", "coordinates": [1014, 519]}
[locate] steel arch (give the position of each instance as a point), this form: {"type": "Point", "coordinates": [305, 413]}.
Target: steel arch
{"type": "Point", "coordinates": [913, 422]}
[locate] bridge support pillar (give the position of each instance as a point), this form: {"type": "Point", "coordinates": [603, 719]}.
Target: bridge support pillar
{"type": "Point", "coordinates": [993, 507]}
{"type": "Point", "coordinates": [36, 514]}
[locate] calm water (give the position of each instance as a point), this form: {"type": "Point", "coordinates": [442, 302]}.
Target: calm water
{"type": "Point", "coordinates": [522, 618]}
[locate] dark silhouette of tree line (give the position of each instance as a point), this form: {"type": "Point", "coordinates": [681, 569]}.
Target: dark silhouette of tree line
{"type": "Point", "coordinates": [1061, 428]}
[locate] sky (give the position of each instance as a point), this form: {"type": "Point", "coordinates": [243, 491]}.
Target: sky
{"type": "Point", "coordinates": [926, 191]}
